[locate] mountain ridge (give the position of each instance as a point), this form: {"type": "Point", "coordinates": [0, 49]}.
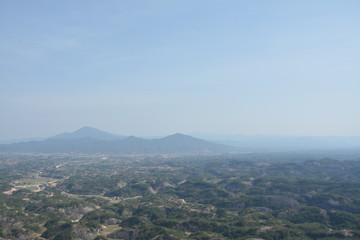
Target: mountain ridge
{"type": "Point", "coordinates": [91, 140]}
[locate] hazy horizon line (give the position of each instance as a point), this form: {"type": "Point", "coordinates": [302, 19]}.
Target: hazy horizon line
{"type": "Point", "coordinates": [204, 135]}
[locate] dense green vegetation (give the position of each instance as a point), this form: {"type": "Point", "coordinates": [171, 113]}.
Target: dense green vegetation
{"type": "Point", "coordinates": [178, 197]}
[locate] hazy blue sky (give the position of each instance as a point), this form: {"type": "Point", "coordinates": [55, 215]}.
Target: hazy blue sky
{"type": "Point", "coordinates": [160, 67]}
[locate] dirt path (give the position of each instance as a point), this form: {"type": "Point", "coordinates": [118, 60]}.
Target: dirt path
{"type": "Point", "coordinates": [9, 192]}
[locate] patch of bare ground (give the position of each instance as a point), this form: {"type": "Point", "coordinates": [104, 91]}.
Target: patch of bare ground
{"type": "Point", "coordinates": [9, 192]}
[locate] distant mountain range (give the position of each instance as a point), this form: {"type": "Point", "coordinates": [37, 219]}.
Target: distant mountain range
{"type": "Point", "coordinates": [92, 140]}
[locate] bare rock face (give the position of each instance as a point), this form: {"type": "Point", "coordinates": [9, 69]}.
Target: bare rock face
{"type": "Point", "coordinates": [124, 234]}
{"type": "Point", "coordinates": [281, 202]}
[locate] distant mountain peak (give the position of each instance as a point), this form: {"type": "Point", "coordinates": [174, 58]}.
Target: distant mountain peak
{"type": "Point", "coordinates": [179, 136]}
{"type": "Point", "coordinates": [88, 132]}
{"type": "Point", "coordinates": [87, 128]}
